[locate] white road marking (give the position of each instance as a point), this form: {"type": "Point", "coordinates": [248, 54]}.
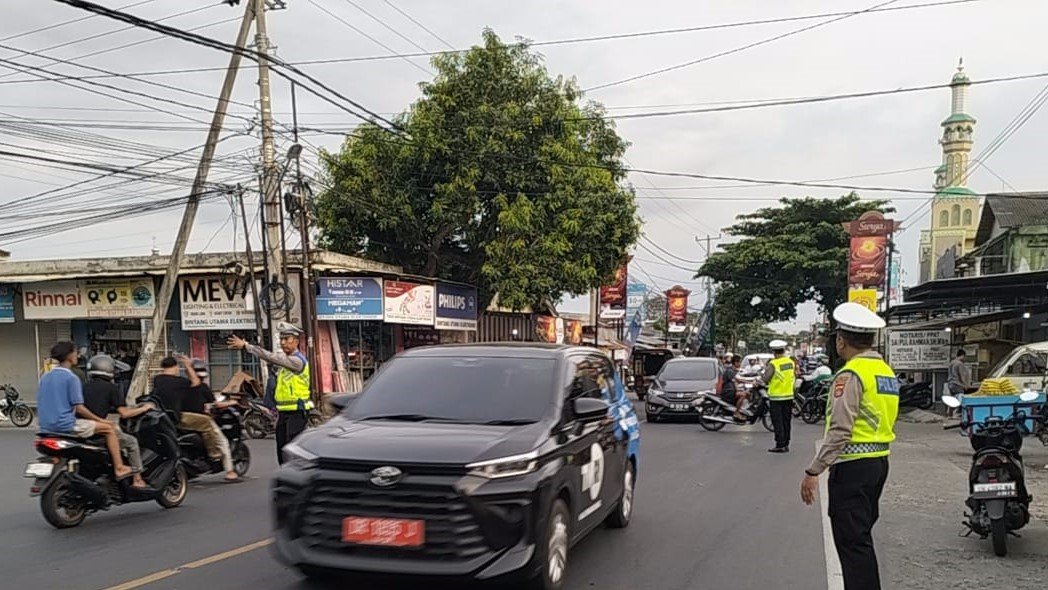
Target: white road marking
{"type": "Point", "coordinates": [834, 576]}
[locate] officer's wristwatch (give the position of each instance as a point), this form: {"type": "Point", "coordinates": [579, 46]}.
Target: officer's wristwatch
{"type": "Point", "coordinates": [810, 473]}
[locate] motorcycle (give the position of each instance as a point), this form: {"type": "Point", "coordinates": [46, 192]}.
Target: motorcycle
{"type": "Point", "coordinates": [18, 411]}
{"type": "Point", "coordinates": [714, 412]}
{"type": "Point", "coordinates": [917, 395]}
{"type": "Point", "coordinates": [999, 501]}
{"type": "Point", "coordinates": [807, 395]}
{"type": "Point", "coordinates": [259, 421]}
{"type": "Point", "coordinates": [74, 477]}
{"type": "Point", "coordinates": [194, 452]}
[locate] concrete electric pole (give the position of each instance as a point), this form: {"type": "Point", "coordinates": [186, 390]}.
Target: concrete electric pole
{"type": "Point", "coordinates": [139, 381]}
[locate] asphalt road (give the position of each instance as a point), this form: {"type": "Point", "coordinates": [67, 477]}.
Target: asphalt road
{"type": "Point", "coordinates": [714, 511]}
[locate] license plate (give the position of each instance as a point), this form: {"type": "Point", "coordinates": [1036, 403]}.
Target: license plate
{"type": "Point", "coordinates": [387, 532]}
{"type": "Point", "coordinates": [1008, 486]}
{"type": "Point", "coordinates": [680, 407]}
{"type": "Point", "coordinates": [39, 470]}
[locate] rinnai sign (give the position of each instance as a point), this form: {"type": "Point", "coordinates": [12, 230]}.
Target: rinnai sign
{"type": "Point", "coordinates": [456, 307]}
{"type": "Point", "coordinates": [85, 299]}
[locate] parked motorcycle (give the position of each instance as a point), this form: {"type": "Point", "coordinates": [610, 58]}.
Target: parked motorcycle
{"type": "Point", "coordinates": [714, 412]}
{"type": "Point", "coordinates": [74, 477]}
{"type": "Point", "coordinates": [194, 452]}
{"type": "Point", "coordinates": [917, 395]}
{"type": "Point", "coordinates": [259, 421]}
{"type": "Point", "coordinates": [814, 408]}
{"type": "Point", "coordinates": [19, 412]}
{"type": "Point", "coordinates": [999, 501]}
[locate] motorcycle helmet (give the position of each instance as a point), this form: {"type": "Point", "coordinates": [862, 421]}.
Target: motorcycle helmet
{"type": "Point", "coordinates": [102, 365]}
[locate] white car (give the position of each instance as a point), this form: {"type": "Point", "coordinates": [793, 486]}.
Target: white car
{"type": "Point", "coordinates": [1024, 366]}
{"type": "Point", "coordinates": [762, 360]}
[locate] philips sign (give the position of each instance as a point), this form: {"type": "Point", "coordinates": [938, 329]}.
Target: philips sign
{"type": "Point", "coordinates": [456, 307]}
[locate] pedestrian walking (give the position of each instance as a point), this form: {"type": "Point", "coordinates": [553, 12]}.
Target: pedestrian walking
{"type": "Point", "coordinates": [959, 379]}
{"type": "Point", "coordinates": [292, 393]}
{"type": "Point", "coordinates": [860, 426]}
{"type": "Point", "coordinates": [779, 376]}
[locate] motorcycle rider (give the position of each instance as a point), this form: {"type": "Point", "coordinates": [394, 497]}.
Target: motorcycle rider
{"type": "Point", "coordinates": [860, 426]}
{"type": "Point", "coordinates": [196, 407]}
{"type": "Point", "coordinates": [103, 397]}
{"type": "Point", "coordinates": [60, 407]}
{"type": "Point", "coordinates": [779, 378]}
{"type": "Point", "coordinates": [292, 394]}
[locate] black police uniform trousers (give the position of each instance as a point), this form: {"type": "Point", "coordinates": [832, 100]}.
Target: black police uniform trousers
{"type": "Point", "coordinates": [289, 425]}
{"type": "Point", "coordinates": [781, 421]}
{"type": "Point", "coordinates": [854, 489]}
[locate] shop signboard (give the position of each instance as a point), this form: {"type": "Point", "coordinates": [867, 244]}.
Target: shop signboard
{"type": "Point", "coordinates": [408, 303]}
{"type": "Point", "coordinates": [551, 329]}
{"type": "Point", "coordinates": [573, 331]}
{"type": "Point", "coordinates": [349, 298]}
{"type": "Point", "coordinates": [7, 304]}
{"type": "Point", "coordinates": [207, 304]}
{"type": "Point", "coordinates": [456, 307]}
{"type": "Point", "coordinates": [919, 350]}
{"type": "Point", "coordinates": [864, 297]}
{"type": "Point", "coordinates": [613, 296]}
{"type": "Point", "coordinates": [868, 254]}
{"type": "Point", "coordinates": [89, 298]}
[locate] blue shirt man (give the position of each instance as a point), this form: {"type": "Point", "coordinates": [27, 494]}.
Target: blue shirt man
{"type": "Point", "coordinates": [59, 394]}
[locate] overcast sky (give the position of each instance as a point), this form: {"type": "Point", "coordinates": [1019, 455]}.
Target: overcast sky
{"type": "Point", "coordinates": [870, 136]}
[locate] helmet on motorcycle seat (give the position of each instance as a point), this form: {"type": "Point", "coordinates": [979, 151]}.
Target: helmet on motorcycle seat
{"type": "Point", "coordinates": [101, 365]}
{"type": "Point", "coordinates": [200, 368]}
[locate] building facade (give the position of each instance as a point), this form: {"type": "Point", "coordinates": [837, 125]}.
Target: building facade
{"type": "Point", "coordinates": [955, 207]}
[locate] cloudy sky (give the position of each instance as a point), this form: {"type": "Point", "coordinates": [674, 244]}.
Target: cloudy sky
{"type": "Point", "coordinates": [886, 141]}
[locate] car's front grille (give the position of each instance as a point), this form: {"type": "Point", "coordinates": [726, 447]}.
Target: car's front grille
{"type": "Point", "coordinates": [451, 532]}
{"type": "Point", "coordinates": [682, 396]}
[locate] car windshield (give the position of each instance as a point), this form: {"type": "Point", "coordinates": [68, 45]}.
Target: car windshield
{"type": "Point", "coordinates": [689, 371]}
{"type": "Point", "coordinates": [478, 390]}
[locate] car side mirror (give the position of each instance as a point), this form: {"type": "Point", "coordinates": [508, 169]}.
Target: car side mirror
{"type": "Point", "coordinates": [341, 401]}
{"type": "Point", "coordinates": [951, 401]}
{"type": "Point", "coordinates": [588, 409]}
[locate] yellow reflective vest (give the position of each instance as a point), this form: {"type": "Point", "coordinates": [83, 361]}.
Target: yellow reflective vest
{"type": "Point", "coordinates": [292, 392]}
{"type": "Point", "coordinates": [781, 385]}
{"type": "Point", "coordinates": [874, 428]}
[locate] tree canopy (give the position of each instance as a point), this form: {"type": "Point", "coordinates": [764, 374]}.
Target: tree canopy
{"type": "Point", "coordinates": [785, 256]}
{"type": "Point", "coordinates": [500, 177]}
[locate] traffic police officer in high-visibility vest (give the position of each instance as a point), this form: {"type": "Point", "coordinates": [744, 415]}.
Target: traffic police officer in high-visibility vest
{"type": "Point", "coordinates": [779, 377]}
{"type": "Point", "coordinates": [860, 423]}
{"type": "Point", "coordinates": [292, 395]}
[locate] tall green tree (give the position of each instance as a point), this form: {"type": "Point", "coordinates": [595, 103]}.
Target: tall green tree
{"type": "Point", "coordinates": [505, 179]}
{"type": "Point", "coordinates": [785, 256]}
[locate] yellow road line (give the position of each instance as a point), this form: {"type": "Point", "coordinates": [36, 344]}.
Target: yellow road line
{"type": "Point", "coordinates": [163, 574]}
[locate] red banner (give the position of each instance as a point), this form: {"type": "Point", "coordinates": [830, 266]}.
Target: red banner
{"type": "Point", "coordinates": [613, 296]}
{"type": "Point", "coordinates": [573, 331]}
{"type": "Point", "coordinates": [677, 306]}
{"type": "Point", "coordinates": [546, 328]}
{"type": "Point", "coordinates": [868, 261]}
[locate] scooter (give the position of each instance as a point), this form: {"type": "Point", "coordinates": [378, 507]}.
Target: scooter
{"type": "Point", "coordinates": [814, 408]}
{"type": "Point", "coordinates": [714, 412]}
{"type": "Point", "coordinates": [194, 452]}
{"type": "Point", "coordinates": [259, 421]}
{"type": "Point", "coordinates": [999, 501]}
{"type": "Point", "coordinates": [74, 477]}
{"type": "Point", "coordinates": [18, 411]}
{"type": "Point", "coordinates": [917, 395]}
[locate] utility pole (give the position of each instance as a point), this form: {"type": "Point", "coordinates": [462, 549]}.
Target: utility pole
{"type": "Point", "coordinates": [167, 286]}
{"type": "Point", "coordinates": [270, 173]}
{"type": "Point", "coordinates": [709, 288]}
{"type": "Point", "coordinates": [309, 322]}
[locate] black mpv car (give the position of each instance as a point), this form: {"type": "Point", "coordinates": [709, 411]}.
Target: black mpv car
{"type": "Point", "coordinates": [482, 462]}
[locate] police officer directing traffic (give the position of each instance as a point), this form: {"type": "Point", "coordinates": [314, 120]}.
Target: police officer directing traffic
{"type": "Point", "coordinates": [292, 395]}
{"type": "Point", "coordinates": [779, 377]}
{"type": "Point", "coordinates": [860, 423]}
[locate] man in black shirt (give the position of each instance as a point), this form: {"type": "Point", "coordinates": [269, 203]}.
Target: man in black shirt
{"type": "Point", "coordinates": [103, 397]}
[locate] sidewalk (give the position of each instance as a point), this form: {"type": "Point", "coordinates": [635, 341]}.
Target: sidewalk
{"type": "Point", "coordinates": [922, 509]}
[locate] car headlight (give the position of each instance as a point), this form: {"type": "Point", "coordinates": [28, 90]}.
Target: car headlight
{"type": "Point", "coordinates": [513, 466]}
{"type": "Point", "coordinates": [297, 457]}
{"type": "Point", "coordinates": [656, 392]}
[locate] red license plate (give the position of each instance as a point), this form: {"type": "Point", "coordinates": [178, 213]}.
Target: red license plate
{"type": "Point", "coordinates": [387, 532]}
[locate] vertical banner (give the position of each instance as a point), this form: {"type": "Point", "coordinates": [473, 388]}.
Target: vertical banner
{"type": "Point", "coordinates": [677, 308]}
{"type": "Point", "coordinates": [635, 295]}
{"type": "Point", "coordinates": [895, 281]}
{"type": "Point", "coordinates": [7, 304]}
{"type": "Point", "coordinates": [704, 333]}
{"type": "Point", "coordinates": [573, 331]}
{"type": "Point", "coordinates": [546, 328]}
{"type": "Point", "coordinates": [613, 296]}
{"type": "Point", "coordinates": [868, 252]}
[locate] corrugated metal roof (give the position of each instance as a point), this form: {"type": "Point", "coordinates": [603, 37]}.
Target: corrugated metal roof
{"type": "Point", "coordinates": [1018, 209]}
